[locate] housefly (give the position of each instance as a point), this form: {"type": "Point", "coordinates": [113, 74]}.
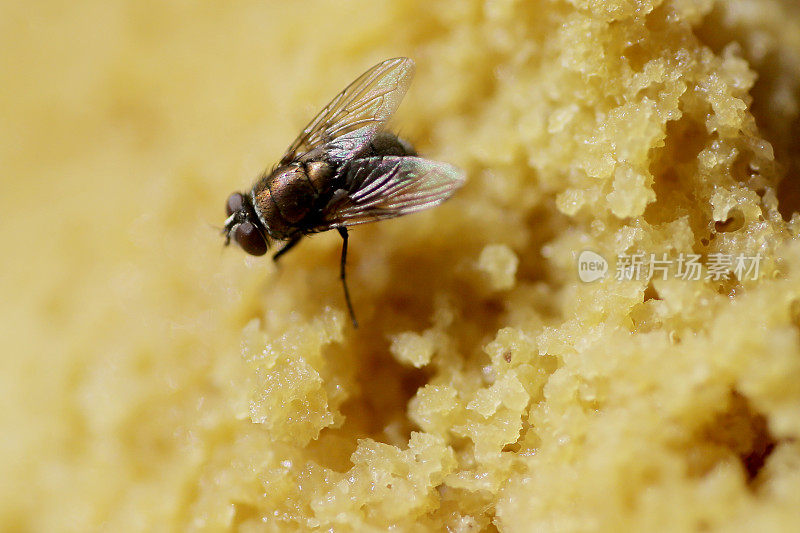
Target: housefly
{"type": "Point", "coordinates": [343, 169]}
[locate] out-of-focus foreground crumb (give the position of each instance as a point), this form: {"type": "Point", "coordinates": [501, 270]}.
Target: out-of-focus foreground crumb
{"type": "Point", "coordinates": [151, 380]}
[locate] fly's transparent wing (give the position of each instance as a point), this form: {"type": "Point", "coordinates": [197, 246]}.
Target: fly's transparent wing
{"type": "Point", "coordinates": [357, 112]}
{"type": "Point", "coordinates": [390, 186]}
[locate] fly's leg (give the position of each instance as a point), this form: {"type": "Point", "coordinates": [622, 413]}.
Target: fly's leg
{"type": "Point", "coordinates": [286, 247]}
{"type": "Point", "coordinates": [343, 233]}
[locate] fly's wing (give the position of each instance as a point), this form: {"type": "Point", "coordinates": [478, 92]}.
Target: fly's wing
{"type": "Point", "coordinates": [356, 113]}
{"type": "Point", "coordinates": [391, 186]}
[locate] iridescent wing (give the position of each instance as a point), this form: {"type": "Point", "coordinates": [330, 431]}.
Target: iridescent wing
{"type": "Point", "coordinates": [353, 117]}
{"type": "Point", "coordinates": [390, 186]}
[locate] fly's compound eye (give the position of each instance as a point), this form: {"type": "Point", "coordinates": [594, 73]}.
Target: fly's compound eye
{"type": "Point", "coordinates": [249, 238]}
{"type": "Point", "coordinates": [235, 203]}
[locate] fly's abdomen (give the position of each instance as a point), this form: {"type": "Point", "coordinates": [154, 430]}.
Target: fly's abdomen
{"type": "Point", "coordinates": [386, 143]}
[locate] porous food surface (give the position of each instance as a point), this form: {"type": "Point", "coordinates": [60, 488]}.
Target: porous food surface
{"type": "Point", "coordinates": [598, 332]}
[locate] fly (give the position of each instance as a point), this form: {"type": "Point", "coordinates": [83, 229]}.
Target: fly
{"type": "Point", "coordinates": [343, 169]}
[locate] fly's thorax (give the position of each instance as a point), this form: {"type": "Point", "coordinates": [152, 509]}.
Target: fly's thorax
{"type": "Point", "coordinates": [319, 175]}
{"type": "Point", "coordinates": [285, 197]}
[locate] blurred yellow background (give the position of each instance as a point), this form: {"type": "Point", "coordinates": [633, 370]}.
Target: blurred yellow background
{"type": "Point", "coordinates": [151, 379]}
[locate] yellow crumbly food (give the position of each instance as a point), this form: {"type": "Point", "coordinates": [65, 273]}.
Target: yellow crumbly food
{"type": "Point", "coordinates": [151, 380]}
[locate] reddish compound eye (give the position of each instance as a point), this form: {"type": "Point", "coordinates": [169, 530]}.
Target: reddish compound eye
{"type": "Point", "coordinates": [250, 239]}
{"type": "Point", "coordinates": [234, 203]}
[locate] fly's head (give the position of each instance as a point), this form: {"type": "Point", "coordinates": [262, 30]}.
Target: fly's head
{"type": "Point", "coordinates": [244, 226]}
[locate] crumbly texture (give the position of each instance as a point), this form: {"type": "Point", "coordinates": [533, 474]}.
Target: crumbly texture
{"type": "Point", "coordinates": [152, 380]}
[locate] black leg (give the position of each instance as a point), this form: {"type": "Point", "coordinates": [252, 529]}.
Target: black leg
{"type": "Point", "coordinates": [343, 233]}
{"type": "Point", "coordinates": [286, 247]}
